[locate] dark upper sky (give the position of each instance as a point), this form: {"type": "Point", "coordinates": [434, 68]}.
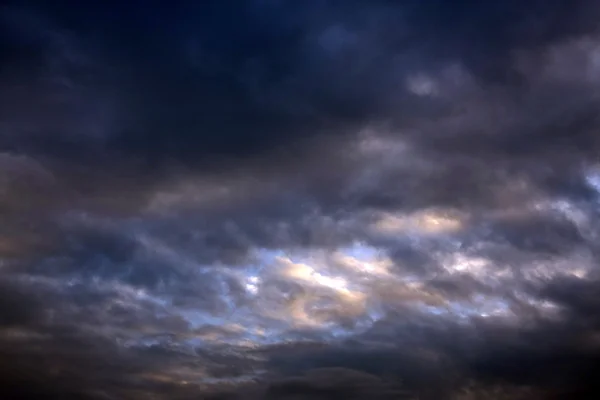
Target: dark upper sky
{"type": "Point", "coordinates": [266, 198]}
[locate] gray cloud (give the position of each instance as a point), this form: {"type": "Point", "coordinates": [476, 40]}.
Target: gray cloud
{"type": "Point", "coordinates": [298, 198]}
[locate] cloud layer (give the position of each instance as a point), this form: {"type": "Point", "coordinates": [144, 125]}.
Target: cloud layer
{"type": "Point", "coordinates": [299, 198]}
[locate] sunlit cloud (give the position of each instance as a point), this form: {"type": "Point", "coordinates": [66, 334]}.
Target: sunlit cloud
{"type": "Point", "coordinates": [592, 177]}
{"type": "Point", "coordinates": [423, 222]}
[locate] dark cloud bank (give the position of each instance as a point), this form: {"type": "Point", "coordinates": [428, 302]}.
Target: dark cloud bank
{"type": "Point", "coordinates": [272, 199]}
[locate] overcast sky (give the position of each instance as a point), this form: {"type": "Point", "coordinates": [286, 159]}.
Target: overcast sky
{"type": "Point", "coordinates": [265, 198]}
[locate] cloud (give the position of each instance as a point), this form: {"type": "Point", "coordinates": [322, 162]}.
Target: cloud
{"type": "Point", "coordinates": [298, 198]}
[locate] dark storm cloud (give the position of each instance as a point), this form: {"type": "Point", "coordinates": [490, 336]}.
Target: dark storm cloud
{"type": "Point", "coordinates": [540, 234]}
{"type": "Point", "coordinates": [18, 307]}
{"type": "Point", "coordinates": [431, 357]}
{"type": "Point", "coordinates": [89, 339]}
{"type": "Point", "coordinates": [196, 81]}
{"type": "Point", "coordinates": [336, 382]}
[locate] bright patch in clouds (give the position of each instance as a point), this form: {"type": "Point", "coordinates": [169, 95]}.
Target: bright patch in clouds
{"type": "Point", "coordinates": [422, 85]}
{"type": "Point", "coordinates": [423, 222]}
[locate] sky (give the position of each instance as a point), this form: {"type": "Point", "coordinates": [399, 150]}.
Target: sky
{"type": "Point", "coordinates": [317, 199]}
